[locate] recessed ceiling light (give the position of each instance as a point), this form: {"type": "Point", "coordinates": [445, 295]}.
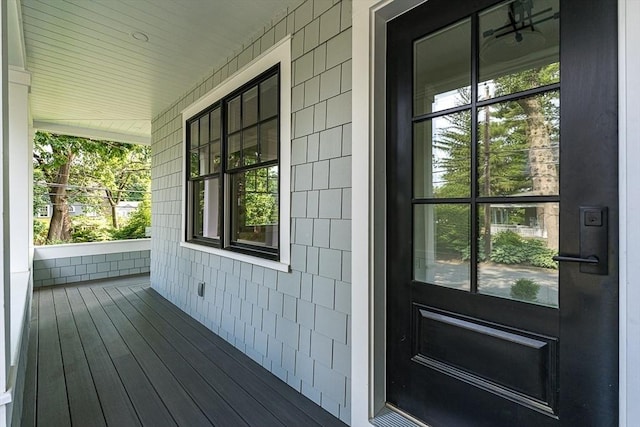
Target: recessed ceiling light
{"type": "Point", "coordinates": [140, 36]}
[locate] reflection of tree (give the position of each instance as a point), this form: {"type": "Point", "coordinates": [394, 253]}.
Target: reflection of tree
{"type": "Point", "coordinates": [517, 150]}
{"type": "Point", "coordinates": [257, 198]}
{"type": "Point", "coordinates": [541, 132]}
{"type": "Point", "coordinates": [261, 190]}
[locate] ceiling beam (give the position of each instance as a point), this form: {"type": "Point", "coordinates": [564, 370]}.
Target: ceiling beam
{"type": "Point", "coordinates": [91, 133]}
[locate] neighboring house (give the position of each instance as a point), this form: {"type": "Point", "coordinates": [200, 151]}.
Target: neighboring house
{"type": "Point", "coordinates": [123, 210]}
{"type": "Point", "coordinates": [293, 173]}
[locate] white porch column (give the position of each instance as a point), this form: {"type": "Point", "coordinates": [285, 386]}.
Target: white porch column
{"type": "Point", "coordinates": [5, 344]}
{"type": "Point", "coordinates": [20, 153]}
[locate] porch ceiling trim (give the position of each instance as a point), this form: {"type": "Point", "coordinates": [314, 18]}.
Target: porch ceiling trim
{"type": "Point", "coordinates": [91, 133]}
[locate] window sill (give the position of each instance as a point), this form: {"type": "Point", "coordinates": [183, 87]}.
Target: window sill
{"type": "Point", "coordinates": [274, 265]}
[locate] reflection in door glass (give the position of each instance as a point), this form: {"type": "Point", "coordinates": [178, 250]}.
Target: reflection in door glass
{"type": "Point", "coordinates": [442, 156]}
{"type": "Point", "coordinates": [518, 147]}
{"type": "Point", "coordinates": [442, 69]}
{"type": "Point", "coordinates": [519, 47]}
{"type": "Point", "coordinates": [441, 236]}
{"type": "Point", "coordinates": [516, 246]}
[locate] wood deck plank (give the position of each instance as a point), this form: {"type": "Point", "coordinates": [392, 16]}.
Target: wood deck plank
{"type": "Point", "coordinates": [31, 374]}
{"type": "Point", "coordinates": [52, 403]}
{"type": "Point", "coordinates": [244, 402]}
{"type": "Point", "coordinates": [84, 404]}
{"type": "Point", "coordinates": [175, 398]}
{"type": "Point", "coordinates": [214, 406]}
{"type": "Point", "coordinates": [118, 353]}
{"type": "Point", "coordinates": [237, 362]}
{"type": "Point", "coordinates": [146, 401]}
{"type": "Point", "coordinates": [117, 407]}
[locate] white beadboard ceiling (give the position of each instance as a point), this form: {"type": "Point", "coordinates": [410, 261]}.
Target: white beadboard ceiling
{"type": "Point", "coordinates": [91, 77]}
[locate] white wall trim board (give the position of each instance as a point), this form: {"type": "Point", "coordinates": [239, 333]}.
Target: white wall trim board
{"type": "Point", "coordinates": [274, 265]}
{"type": "Point", "coordinates": [629, 156]}
{"type": "Point", "coordinates": [91, 133]}
{"type": "Point", "coordinates": [19, 76]}
{"type": "Point", "coordinates": [84, 249]}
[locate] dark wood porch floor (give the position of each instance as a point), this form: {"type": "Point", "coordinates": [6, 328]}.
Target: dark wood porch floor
{"type": "Point", "coordinates": [119, 354]}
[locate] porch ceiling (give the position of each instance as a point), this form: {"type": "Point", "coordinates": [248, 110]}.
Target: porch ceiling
{"type": "Point", "coordinates": [91, 76]}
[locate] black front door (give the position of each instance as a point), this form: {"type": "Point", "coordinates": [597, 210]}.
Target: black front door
{"type": "Point", "coordinates": [502, 286]}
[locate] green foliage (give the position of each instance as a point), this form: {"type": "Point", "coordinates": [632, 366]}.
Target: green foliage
{"type": "Point", "coordinates": [525, 290]}
{"type": "Point", "coordinates": [40, 192]}
{"type": "Point", "coordinates": [539, 255]}
{"type": "Point", "coordinates": [452, 229]}
{"type": "Point", "coordinates": [509, 247]}
{"type": "Point", "coordinates": [135, 228]}
{"type": "Point", "coordinates": [261, 191]}
{"type": "Point", "coordinates": [101, 174]}
{"type": "Point", "coordinates": [89, 229]}
{"type": "Point", "coordinates": [40, 228]}
{"type": "Point", "coordinates": [508, 254]}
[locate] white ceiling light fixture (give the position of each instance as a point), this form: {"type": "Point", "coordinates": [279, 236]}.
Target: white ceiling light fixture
{"type": "Point", "coordinates": [519, 36]}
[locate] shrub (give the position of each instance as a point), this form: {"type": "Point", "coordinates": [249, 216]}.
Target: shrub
{"type": "Point", "coordinates": [510, 248]}
{"type": "Point", "coordinates": [525, 290]}
{"type": "Point", "coordinates": [135, 228]}
{"type": "Point", "coordinates": [89, 229]}
{"type": "Point", "coordinates": [40, 230]}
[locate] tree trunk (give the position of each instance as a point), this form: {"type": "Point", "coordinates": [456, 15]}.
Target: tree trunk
{"type": "Point", "coordinates": [113, 203]}
{"type": "Point", "coordinates": [114, 217]}
{"type": "Point", "coordinates": [60, 225]}
{"type": "Point", "coordinates": [542, 163]}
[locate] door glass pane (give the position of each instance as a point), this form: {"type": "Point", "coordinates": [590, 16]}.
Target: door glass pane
{"type": "Point", "coordinates": [233, 115]}
{"type": "Point", "coordinates": [441, 236]}
{"type": "Point", "coordinates": [518, 147]}
{"type": "Point", "coordinates": [269, 140]}
{"type": "Point", "coordinates": [519, 47]}
{"type": "Point", "coordinates": [442, 73]}
{"type": "Point", "coordinates": [442, 156]}
{"type": "Point", "coordinates": [234, 151]}
{"type": "Point", "coordinates": [516, 246]}
{"type": "Point", "coordinates": [250, 107]}
{"type": "Point", "coordinates": [255, 211]}
{"type": "Point", "coordinates": [269, 98]}
{"type": "Point", "coordinates": [250, 146]}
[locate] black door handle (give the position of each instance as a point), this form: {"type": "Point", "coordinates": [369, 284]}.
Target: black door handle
{"type": "Point", "coordinates": [592, 259]}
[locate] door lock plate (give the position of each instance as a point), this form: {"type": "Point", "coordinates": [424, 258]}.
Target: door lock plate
{"type": "Point", "coordinates": [594, 239]}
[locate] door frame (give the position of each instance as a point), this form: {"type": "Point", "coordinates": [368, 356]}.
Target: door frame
{"type": "Point", "coordinates": [368, 207]}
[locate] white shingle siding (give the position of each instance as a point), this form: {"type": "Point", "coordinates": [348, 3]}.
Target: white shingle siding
{"type": "Point", "coordinates": [294, 324]}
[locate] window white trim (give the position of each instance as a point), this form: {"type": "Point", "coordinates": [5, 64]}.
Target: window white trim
{"type": "Point", "coordinates": [280, 53]}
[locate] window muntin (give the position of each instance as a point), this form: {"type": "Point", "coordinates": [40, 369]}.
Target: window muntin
{"type": "Point", "coordinates": [234, 204]}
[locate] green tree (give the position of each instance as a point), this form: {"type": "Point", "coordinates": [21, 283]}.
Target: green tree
{"type": "Point", "coordinates": [136, 226]}
{"type": "Point", "coordinates": [121, 171]}
{"type": "Point", "coordinates": [53, 156]}
{"type": "Point", "coordinates": [516, 144]}
{"type": "Point", "coordinates": [80, 170]}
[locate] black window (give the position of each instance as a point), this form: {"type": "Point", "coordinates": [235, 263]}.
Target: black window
{"type": "Point", "coordinates": [233, 161]}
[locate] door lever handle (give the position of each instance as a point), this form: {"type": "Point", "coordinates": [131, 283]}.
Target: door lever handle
{"type": "Point", "coordinates": [592, 259]}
